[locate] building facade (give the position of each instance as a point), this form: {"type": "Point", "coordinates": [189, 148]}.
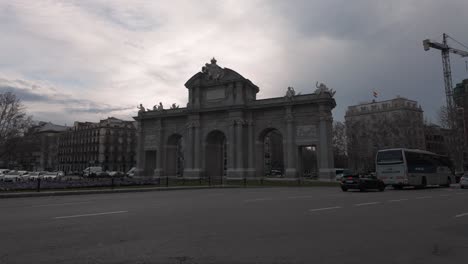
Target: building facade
{"type": "Point", "coordinates": [396, 123]}
{"type": "Point", "coordinates": [37, 149]}
{"type": "Point", "coordinates": [224, 127]}
{"type": "Point", "coordinates": [438, 139]}
{"type": "Point", "coordinates": [109, 144]}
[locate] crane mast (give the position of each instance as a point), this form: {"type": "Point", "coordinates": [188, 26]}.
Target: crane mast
{"type": "Point", "coordinates": [451, 111]}
{"type": "Point", "coordinates": [448, 81]}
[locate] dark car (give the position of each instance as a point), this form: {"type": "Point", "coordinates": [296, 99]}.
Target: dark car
{"type": "Point", "coordinates": [361, 183]}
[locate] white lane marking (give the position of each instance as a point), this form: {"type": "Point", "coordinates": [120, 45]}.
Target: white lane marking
{"type": "Point", "coordinates": [444, 195]}
{"type": "Point", "coordinates": [460, 215]}
{"type": "Point", "coordinates": [424, 197]}
{"type": "Point", "coordinates": [325, 208]}
{"type": "Point", "coordinates": [83, 215]}
{"type": "Point", "coordinates": [397, 200]}
{"type": "Point", "coordinates": [258, 200]}
{"type": "Point", "coordinates": [459, 193]}
{"type": "Point", "coordinates": [58, 204]}
{"type": "Point", "coordinates": [362, 204]}
{"type": "Point", "coordinates": [300, 197]}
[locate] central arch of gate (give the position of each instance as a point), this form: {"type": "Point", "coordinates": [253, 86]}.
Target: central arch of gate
{"type": "Point", "coordinates": [226, 131]}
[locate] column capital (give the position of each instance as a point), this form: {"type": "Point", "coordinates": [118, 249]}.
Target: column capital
{"type": "Point", "coordinates": [192, 124]}
{"type": "Point", "coordinates": [289, 118]}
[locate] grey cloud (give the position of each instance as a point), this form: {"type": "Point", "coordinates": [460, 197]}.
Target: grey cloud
{"type": "Point", "coordinates": [32, 93]}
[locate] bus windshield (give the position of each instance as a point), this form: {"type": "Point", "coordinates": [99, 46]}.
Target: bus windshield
{"type": "Point", "coordinates": [390, 157]}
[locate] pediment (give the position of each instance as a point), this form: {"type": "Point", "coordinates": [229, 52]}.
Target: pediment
{"type": "Point", "coordinates": [212, 74]}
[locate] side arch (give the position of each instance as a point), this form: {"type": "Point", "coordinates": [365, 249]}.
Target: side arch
{"type": "Point", "coordinates": [269, 149]}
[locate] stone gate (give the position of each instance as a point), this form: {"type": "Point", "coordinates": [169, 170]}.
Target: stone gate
{"type": "Point", "coordinates": [226, 131]}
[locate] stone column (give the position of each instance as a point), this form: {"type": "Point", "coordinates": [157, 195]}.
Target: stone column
{"type": "Point", "coordinates": [231, 151]}
{"type": "Point", "coordinates": [196, 93]}
{"type": "Point", "coordinates": [239, 148]}
{"type": "Point", "coordinates": [325, 150]}
{"type": "Point", "coordinates": [160, 151]}
{"type": "Point", "coordinates": [140, 153]}
{"type": "Point", "coordinates": [239, 95]}
{"type": "Point", "coordinates": [188, 155]}
{"type": "Point", "coordinates": [251, 148]}
{"type": "Point", "coordinates": [197, 154]}
{"type": "Point", "coordinates": [259, 158]}
{"type": "Point", "coordinates": [291, 171]}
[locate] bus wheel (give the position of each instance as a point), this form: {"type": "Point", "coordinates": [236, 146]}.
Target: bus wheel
{"type": "Point", "coordinates": [397, 187]}
{"type": "Point", "coordinates": [423, 183]}
{"type": "Point", "coordinates": [344, 189]}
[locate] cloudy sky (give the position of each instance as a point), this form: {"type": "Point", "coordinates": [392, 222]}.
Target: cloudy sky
{"type": "Point", "coordinates": [88, 60]}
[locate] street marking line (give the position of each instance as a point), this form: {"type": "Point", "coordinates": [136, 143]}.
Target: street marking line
{"type": "Point", "coordinates": [258, 200]}
{"type": "Point", "coordinates": [397, 200]}
{"type": "Point", "coordinates": [423, 197]}
{"type": "Point", "coordinates": [459, 193]}
{"type": "Point", "coordinates": [325, 208]}
{"type": "Point", "coordinates": [460, 215]}
{"type": "Point", "coordinates": [300, 197]}
{"type": "Point", "coordinates": [444, 195]}
{"type": "Point", "coordinates": [84, 215]}
{"type": "Point", "coordinates": [58, 204]}
{"type": "Point", "coordinates": [362, 204]}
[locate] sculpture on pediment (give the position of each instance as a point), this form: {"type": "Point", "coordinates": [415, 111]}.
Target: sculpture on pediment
{"type": "Point", "coordinates": [212, 71]}
{"type": "Point", "coordinates": [160, 107]}
{"type": "Point", "coordinates": [174, 106]}
{"type": "Point", "coordinates": [322, 88]}
{"type": "Point", "coordinates": [141, 108]}
{"type": "Point", "coordinates": [290, 93]}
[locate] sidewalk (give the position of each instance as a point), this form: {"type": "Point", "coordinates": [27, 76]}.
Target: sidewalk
{"type": "Point", "coordinates": [19, 194]}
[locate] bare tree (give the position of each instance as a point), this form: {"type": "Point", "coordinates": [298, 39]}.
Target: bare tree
{"type": "Point", "coordinates": [339, 144]}
{"type": "Point", "coordinates": [13, 123]}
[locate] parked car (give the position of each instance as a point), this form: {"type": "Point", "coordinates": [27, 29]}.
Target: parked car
{"type": "Point", "coordinates": [50, 175]}
{"type": "Point", "coordinates": [131, 172]}
{"type": "Point", "coordinates": [464, 181]}
{"type": "Point", "coordinates": [116, 173]}
{"type": "Point", "coordinates": [340, 173]}
{"type": "Point", "coordinates": [92, 171]}
{"type": "Point", "coordinates": [361, 183]}
{"type": "Point", "coordinates": [12, 176]}
{"type": "Point", "coordinates": [34, 175]}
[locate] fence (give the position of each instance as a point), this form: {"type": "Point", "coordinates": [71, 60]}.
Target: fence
{"type": "Point", "coordinates": [171, 181]}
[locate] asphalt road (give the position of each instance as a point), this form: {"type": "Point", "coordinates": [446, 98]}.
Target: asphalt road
{"type": "Point", "coordinates": [253, 225]}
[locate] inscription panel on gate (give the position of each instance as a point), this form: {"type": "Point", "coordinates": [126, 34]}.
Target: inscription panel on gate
{"type": "Point", "coordinates": [215, 94]}
{"type": "Point", "coordinates": [151, 130]}
{"type": "Point", "coordinates": [151, 141]}
{"type": "Point", "coordinates": [306, 132]}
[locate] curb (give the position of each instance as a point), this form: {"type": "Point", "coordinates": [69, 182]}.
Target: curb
{"type": "Point", "coordinates": [123, 190]}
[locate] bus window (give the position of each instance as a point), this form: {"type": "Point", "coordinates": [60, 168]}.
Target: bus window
{"type": "Point", "coordinates": [390, 157]}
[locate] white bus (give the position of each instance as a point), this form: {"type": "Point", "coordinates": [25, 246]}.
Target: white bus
{"type": "Point", "coordinates": [412, 167]}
